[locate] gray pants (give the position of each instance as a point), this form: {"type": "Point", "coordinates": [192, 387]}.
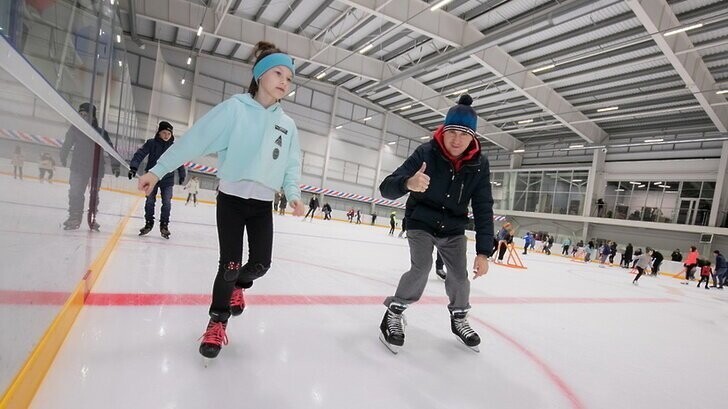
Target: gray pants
{"type": "Point", "coordinates": [454, 253]}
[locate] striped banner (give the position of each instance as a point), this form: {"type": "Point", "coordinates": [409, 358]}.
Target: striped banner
{"type": "Point", "coordinates": [196, 167]}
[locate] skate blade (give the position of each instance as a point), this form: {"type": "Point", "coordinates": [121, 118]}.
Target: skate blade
{"type": "Point", "coordinates": [474, 349]}
{"type": "Point", "coordinates": [206, 362]}
{"type": "Point", "coordinates": [392, 348]}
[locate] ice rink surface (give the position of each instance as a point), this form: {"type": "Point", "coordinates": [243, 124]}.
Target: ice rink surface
{"type": "Point", "coordinates": [560, 334]}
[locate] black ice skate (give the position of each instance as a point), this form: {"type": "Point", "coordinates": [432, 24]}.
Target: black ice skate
{"type": "Point", "coordinates": [391, 330]}
{"type": "Point", "coordinates": [213, 339]}
{"type": "Point", "coordinates": [164, 230]}
{"type": "Point", "coordinates": [147, 228]}
{"type": "Point", "coordinates": [461, 328]}
{"type": "Point", "coordinates": [441, 273]}
{"type": "Point", "coordinates": [94, 226]}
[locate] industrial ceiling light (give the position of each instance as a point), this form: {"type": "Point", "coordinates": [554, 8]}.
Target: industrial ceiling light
{"type": "Point", "coordinates": [321, 75]}
{"type": "Point", "coordinates": [182, 82]}
{"type": "Point", "coordinates": [189, 60]}
{"type": "Point", "coordinates": [366, 119]}
{"type": "Point", "coordinates": [544, 68]}
{"type": "Point", "coordinates": [118, 38]}
{"type": "Point", "coordinates": [339, 126]}
{"type": "Point", "coordinates": [462, 91]}
{"type": "Point", "coordinates": [425, 137]}
{"type": "Point", "coordinates": [526, 121]}
{"type": "Point", "coordinates": [366, 48]}
{"type": "Point", "coordinates": [607, 109]}
{"type": "Point", "coordinates": [723, 91]}
{"type": "Point", "coordinates": [577, 180]}
{"type": "Point", "coordinates": [292, 93]}
{"type": "Point", "coordinates": [405, 107]}
{"type": "Point", "coordinates": [391, 143]}
{"type": "Point", "coordinates": [683, 29]}
{"type": "Point", "coordinates": [577, 146]}
{"type": "Point", "coordinates": [635, 183]}
{"type": "Point", "coordinates": [519, 151]}
{"type": "Point", "coordinates": [199, 31]}
{"type": "Point", "coordinates": [654, 140]}
{"type": "Point", "coordinates": [439, 5]}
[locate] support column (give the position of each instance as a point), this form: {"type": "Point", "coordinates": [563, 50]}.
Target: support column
{"type": "Point", "coordinates": [193, 97]}
{"type": "Point", "coordinates": [596, 183]}
{"type": "Point", "coordinates": [516, 160]}
{"type": "Point", "coordinates": [332, 124]}
{"type": "Point", "coordinates": [378, 172]}
{"type": "Point", "coordinates": [585, 233]}
{"type": "Point", "coordinates": [720, 195]}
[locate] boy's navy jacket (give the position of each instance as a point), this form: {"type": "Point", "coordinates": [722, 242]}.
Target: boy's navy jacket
{"type": "Point", "coordinates": [442, 210]}
{"type": "Point", "coordinates": [155, 147]}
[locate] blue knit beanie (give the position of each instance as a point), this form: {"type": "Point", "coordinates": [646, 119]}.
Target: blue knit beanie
{"type": "Point", "coordinates": [462, 117]}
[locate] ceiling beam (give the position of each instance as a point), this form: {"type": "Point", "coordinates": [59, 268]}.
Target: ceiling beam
{"type": "Point", "coordinates": [240, 30]}
{"type": "Point", "coordinates": [657, 17]}
{"type": "Point", "coordinates": [291, 8]}
{"type": "Point", "coordinates": [495, 59]}
{"type": "Point", "coordinates": [261, 10]}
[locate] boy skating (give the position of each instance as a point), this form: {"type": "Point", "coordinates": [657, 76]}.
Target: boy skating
{"type": "Point", "coordinates": [154, 148]}
{"type": "Point", "coordinates": [442, 176]}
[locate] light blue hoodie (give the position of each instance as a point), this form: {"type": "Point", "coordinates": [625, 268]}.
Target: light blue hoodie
{"type": "Point", "coordinates": [252, 143]}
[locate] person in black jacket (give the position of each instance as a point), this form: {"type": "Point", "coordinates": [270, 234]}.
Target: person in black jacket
{"type": "Point", "coordinates": [627, 256]}
{"type": "Point", "coordinates": [657, 258]}
{"type": "Point", "coordinates": [676, 255]}
{"type": "Point", "coordinates": [154, 148]}
{"type": "Point", "coordinates": [442, 177]}
{"type": "Point", "coordinates": [313, 204]}
{"type": "Point", "coordinates": [82, 169]}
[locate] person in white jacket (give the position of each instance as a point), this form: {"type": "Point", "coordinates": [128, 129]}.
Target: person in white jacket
{"type": "Point", "coordinates": [192, 187]}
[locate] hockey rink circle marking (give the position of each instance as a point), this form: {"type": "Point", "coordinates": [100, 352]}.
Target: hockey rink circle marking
{"type": "Point", "coordinates": [550, 373]}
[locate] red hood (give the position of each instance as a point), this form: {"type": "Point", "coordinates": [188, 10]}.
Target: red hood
{"type": "Point", "coordinates": [472, 151]}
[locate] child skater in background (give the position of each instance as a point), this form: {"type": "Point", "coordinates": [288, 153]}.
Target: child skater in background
{"type": "Point", "coordinates": [258, 152]}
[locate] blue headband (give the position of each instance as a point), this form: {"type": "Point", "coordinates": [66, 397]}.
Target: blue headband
{"type": "Point", "coordinates": [271, 61]}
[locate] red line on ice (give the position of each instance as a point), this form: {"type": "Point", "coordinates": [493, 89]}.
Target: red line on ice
{"type": "Point", "coordinates": [553, 377]}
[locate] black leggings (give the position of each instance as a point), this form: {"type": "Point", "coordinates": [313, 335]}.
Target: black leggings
{"type": "Point", "coordinates": [235, 216]}
{"type": "Point", "coordinates": [640, 272]}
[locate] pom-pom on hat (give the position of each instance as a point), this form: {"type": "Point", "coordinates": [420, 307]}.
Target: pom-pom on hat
{"type": "Point", "coordinates": [462, 117]}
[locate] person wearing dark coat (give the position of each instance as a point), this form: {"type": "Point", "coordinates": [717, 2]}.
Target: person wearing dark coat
{"type": "Point", "coordinates": [442, 176]}
{"type": "Point", "coordinates": [627, 256]}
{"type": "Point", "coordinates": [313, 204]}
{"type": "Point", "coordinates": [82, 169]}
{"type": "Point", "coordinates": [153, 150]}
{"type": "Point", "coordinates": [657, 258]}
{"type": "Point", "coordinates": [676, 255]}
{"type": "Point", "coordinates": [612, 252]}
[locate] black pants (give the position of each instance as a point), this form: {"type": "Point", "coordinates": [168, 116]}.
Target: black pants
{"type": "Point", "coordinates": [311, 211]}
{"type": "Point", "coordinates": [689, 273]}
{"type": "Point", "coordinates": [43, 173]}
{"type": "Point", "coordinates": [611, 258]}
{"type": "Point", "coordinates": [640, 272]}
{"type": "Point", "coordinates": [656, 268]}
{"type": "Point", "coordinates": [235, 216]}
{"type": "Point", "coordinates": [193, 196]}
{"type": "Point", "coordinates": [439, 263]}
{"type": "Point", "coordinates": [565, 250]}
{"type": "Point", "coordinates": [704, 278]}
{"type": "Point", "coordinates": [502, 250]}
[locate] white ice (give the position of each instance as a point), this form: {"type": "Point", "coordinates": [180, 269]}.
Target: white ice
{"type": "Point", "coordinates": [560, 334]}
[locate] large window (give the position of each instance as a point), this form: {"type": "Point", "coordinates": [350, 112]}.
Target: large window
{"type": "Point", "coordinates": [543, 191]}
{"type": "Point", "coordinates": [682, 202]}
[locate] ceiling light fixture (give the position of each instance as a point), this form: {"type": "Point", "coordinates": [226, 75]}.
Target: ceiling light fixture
{"type": "Point", "coordinates": [519, 151]}
{"type": "Point", "coordinates": [199, 31]}
{"type": "Point", "coordinates": [682, 29]}
{"type": "Point", "coordinates": [339, 126]}
{"type": "Point", "coordinates": [439, 5]}
{"type": "Point", "coordinates": [366, 48]}
{"type": "Point", "coordinates": [577, 146]}
{"type": "Point", "coordinates": [366, 119]}
{"type": "Point", "coordinates": [405, 107]}
{"type": "Point", "coordinates": [607, 109]}
{"type": "Point", "coordinates": [654, 140]}
{"type": "Point", "coordinates": [292, 93]}
{"type": "Point", "coordinates": [544, 68]}
{"type": "Point", "coordinates": [189, 60]}
{"type": "Point", "coordinates": [391, 143]}
{"type": "Point", "coordinates": [321, 75]}
{"type": "Point", "coordinates": [525, 121]}
{"type": "Point", "coordinates": [723, 91]}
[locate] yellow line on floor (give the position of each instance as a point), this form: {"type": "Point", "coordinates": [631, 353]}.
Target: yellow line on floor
{"type": "Point", "coordinates": [26, 383]}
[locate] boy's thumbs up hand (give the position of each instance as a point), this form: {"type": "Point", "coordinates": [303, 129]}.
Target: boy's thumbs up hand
{"type": "Point", "coordinates": [419, 182]}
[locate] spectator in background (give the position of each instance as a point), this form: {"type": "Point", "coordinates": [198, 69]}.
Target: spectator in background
{"type": "Point", "coordinates": [374, 218]}
{"type": "Point", "coordinates": [404, 228]}
{"type": "Point", "coordinates": [600, 207]}
{"type": "Point", "coordinates": [657, 258]}
{"type": "Point", "coordinates": [17, 162]}
{"type": "Point", "coordinates": [612, 252]}
{"type": "Point", "coordinates": [627, 256]}
{"type": "Point", "coordinates": [705, 272]}
{"type": "Point", "coordinates": [46, 165]}
{"type": "Point", "coordinates": [527, 239]}
{"type": "Point", "coordinates": [358, 216]}
{"type": "Point", "coordinates": [313, 204]}
{"type": "Point", "coordinates": [676, 255]}
{"type": "Point", "coordinates": [565, 247]}
{"type": "Point", "coordinates": [276, 200]}
{"type": "Point", "coordinates": [326, 208]}
{"type": "Point", "coordinates": [691, 261]}
{"type": "Point", "coordinates": [721, 268]}
{"type": "Point", "coordinates": [392, 223]}
{"type": "Point", "coordinates": [193, 186]}
{"type": "Point", "coordinates": [282, 205]}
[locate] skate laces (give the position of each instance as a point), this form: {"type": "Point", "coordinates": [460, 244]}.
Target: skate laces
{"type": "Point", "coordinates": [463, 327]}
{"type": "Point", "coordinates": [215, 334]}
{"type": "Point", "coordinates": [237, 299]}
{"type": "Point", "coordinates": [394, 323]}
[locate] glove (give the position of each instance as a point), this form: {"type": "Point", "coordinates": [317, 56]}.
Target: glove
{"type": "Point", "coordinates": [132, 173]}
{"type": "Point", "coordinates": [116, 171]}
